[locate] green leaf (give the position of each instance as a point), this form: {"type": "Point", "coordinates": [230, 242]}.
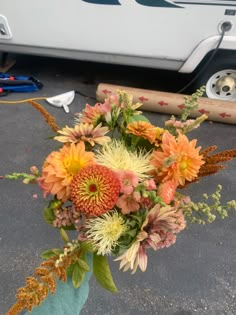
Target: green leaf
{"type": "Point", "coordinates": [137, 218]}
{"type": "Point", "coordinates": [87, 247]}
{"type": "Point", "coordinates": [102, 273]}
{"type": "Point", "coordinates": [138, 118]}
{"type": "Point", "coordinates": [83, 264]}
{"type": "Point", "coordinates": [132, 233]}
{"type": "Point", "coordinates": [48, 215]}
{"type": "Point", "coordinates": [64, 235]}
{"type": "Point", "coordinates": [77, 275]}
{"type": "Point", "coordinates": [69, 270]}
{"type": "Point", "coordinates": [69, 227]}
{"type": "Point", "coordinates": [51, 253]}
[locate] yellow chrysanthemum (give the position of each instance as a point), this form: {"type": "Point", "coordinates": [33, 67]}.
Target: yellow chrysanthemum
{"type": "Point", "coordinates": [61, 166]}
{"type": "Point", "coordinates": [116, 157]}
{"type": "Point", "coordinates": [179, 159]}
{"type": "Point", "coordinates": [105, 231]}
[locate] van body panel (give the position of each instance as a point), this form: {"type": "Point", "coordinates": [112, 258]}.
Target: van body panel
{"type": "Point", "coordinates": [153, 33]}
{"type": "Point", "coordinates": [202, 50]}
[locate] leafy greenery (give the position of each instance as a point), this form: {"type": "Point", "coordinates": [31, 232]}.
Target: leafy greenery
{"type": "Point", "coordinates": [191, 103]}
{"type": "Point", "coordinates": [47, 254]}
{"type": "Point", "coordinates": [48, 215]}
{"type": "Point", "coordinates": [202, 212]}
{"type": "Point", "coordinates": [102, 273]}
{"type": "Point", "coordinates": [77, 274]}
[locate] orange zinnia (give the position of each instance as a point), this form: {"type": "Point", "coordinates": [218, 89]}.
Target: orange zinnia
{"type": "Point", "coordinates": [95, 190]}
{"type": "Point", "coordinates": [61, 166]}
{"type": "Point", "coordinates": [143, 129]}
{"type": "Point", "coordinates": [179, 159]}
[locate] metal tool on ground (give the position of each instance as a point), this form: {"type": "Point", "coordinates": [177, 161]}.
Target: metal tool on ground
{"type": "Point", "coordinates": [18, 83]}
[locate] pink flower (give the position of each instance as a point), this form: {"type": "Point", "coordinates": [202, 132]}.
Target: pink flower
{"type": "Point", "coordinates": [181, 125]}
{"type": "Point", "coordinates": [111, 101]}
{"type": "Point", "coordinates": [128, 180]}
{"type": "Point", "coordinates": [167, 239]}
{"type": "Point", "coordinates": [150, 184]}
{"type": "Point", "coordinates": [91, 114]}
{"type": "Point", "coordinates": [146, 203]}
{"type": "Point", "coordinates": [129, 203]}
{"type": "Point", "coordinates": [157, 231]}
{"type": "Point", "coordinates": [134, 256]}
{"type": "Point", "coordinates": [167, 191]}
{"type": "Point", "coordinates": [34, 170]}
{"type": "Point", "coordinates": [105, 107]}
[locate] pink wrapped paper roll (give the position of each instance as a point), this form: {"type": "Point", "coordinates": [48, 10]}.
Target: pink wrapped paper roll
{"type": "Point", "coordinates": [171, 103]}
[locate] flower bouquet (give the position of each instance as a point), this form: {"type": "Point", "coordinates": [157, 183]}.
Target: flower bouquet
{"type": "Point", "coordinates": [118, 182]}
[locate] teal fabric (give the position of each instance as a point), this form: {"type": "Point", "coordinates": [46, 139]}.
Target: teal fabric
{"type": "Point", "coordinates": [67, 300]}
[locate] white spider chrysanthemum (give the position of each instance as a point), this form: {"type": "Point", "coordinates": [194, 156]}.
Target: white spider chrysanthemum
{"type": "Point", "coordinates": [116, 157]}
{"type": "Point", "coordinates": [105, 231]}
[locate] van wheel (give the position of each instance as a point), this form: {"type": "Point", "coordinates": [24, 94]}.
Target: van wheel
{"type": "Point", "coordinates": [219, 77]}
{"type": "Point", "coordinates": [222, 85]}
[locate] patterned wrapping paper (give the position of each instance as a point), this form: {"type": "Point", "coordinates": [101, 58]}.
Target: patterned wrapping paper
{"type": "Point", "coordinates": [171, 103]}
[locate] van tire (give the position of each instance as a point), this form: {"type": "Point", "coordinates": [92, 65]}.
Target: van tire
{"type": "Point", "coordinates": [219, 78]}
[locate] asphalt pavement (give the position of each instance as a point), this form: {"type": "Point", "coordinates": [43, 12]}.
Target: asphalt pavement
{"type": "Point", "coordinates": [196, 276]}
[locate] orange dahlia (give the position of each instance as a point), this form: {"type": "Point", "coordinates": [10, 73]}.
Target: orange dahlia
{"type": "Point", "coordinates": [95, 190]}
{"type": "Point", "coordinates": [61, 166]}
{"type": "Point", "coordinates": [179, 159]}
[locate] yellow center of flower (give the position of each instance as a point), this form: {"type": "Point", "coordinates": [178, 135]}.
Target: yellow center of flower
{"type": "Point", "coordinates": [71, 166]}
{"type": "Point", "coordinates": [105, 231]}
{"type": "Point", "coordinates": [183, 165]}
{"type": "Point", "coordinates": [113, 229]}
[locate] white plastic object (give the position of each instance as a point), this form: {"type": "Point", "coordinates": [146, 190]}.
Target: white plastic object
{"type": "Point", "coordinates": [62, 100]}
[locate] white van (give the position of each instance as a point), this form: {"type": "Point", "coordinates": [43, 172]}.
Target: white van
{"type": "Point", "coordinates": [175, 35]}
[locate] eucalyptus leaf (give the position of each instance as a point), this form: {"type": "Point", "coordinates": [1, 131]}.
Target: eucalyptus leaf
{"type": "Point", "coordinates": [102, 273]}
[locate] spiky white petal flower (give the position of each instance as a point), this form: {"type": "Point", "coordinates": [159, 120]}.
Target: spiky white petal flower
{"type": "Point", "coordinates": [116, 156]}
{"type": "Point", "coordinates": [105, 231]}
